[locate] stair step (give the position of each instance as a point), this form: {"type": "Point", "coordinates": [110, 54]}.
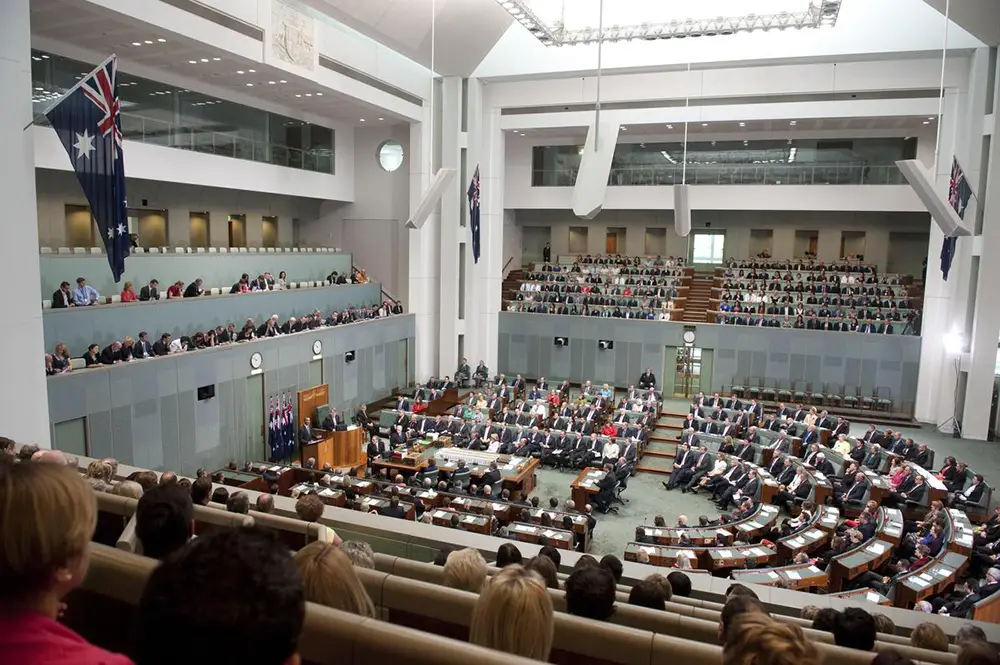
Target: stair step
{"type": "Point", "coordinates": [657, 453]}
{"type": "Point", "coordinates": [652, 469]}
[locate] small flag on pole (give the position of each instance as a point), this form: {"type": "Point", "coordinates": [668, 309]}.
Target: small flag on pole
{"type": "Point", "coordinates": [88, 122]}
{"type": "Point", "coordinates": [474, 192]}
{"type": "Point", "coordinates": [959, 193]}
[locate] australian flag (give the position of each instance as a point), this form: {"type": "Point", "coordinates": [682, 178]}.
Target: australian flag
{"type": "Point", "coordinates": [959, 193]}
{"type": "Point", "coordinates": [272, 435]}
{"type": "Point", "coordinates": [88, 122]}
{"type": "Point", "coordinates": [474, 191]}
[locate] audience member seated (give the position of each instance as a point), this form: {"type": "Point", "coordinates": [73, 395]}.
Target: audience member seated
{"type": "Point", "coordinates": [590, 591]}
{"type": "Point", "coordinates": [465, 569]}
{"type": "Point", "coordinates": [164, 520]}
{"type": "Point", "coordinates": [756, 639]}
{"type": "Point", "coordinates": [236, 591]}
{"type": "Point", "coordinates": [514, 614]}
{"type": "Point", "coordinates": [328, 578]}
{"type": "Point", "coordinates": [49, 515]}
{"type": "Point", "coordinates": [855, 629]}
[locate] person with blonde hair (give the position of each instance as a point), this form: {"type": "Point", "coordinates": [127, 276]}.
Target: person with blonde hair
{"type": "Point", "coordinates": [513, 614]}
{"type": "Point", "coordinates": [929, 636]}
{"type": "Point", "coordinates": [329, 578]}
{"type": "Point", "coordinates": [127, 488]}
{"type": "Point", "coordinates": [47, 518]}
{"type": "Point", "coordinates": [757, 639]}
{"type": "Point", "coordinates": [465, 569]}
{"type": "Point", "coordinates": [100, 470]}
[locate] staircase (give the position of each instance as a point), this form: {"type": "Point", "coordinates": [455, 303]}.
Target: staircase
{"type": "Point", "coordinates": [662, 447]}
{"type": "Point", "coordinates": [511, 284]}
{"type": "Point", "coordinates": [699, 294]}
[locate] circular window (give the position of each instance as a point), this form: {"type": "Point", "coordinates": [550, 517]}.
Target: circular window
{"type": "Point", "coordinates": [390, 155]}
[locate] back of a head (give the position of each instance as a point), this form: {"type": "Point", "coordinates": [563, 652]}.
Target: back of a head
{"type": "Point", "coordinates": [360, 553]}
{"type": "Point", "coordinates": [47, 517]}
{"type": "Point", "coordinates": [929, 636]}
{"type": "Point", "coordinates": [237, 590]}
{"type": "Point", "coordinates": [163, 520]}
{"type": "Point", "coordinates": [309, 508]}
{"type": "Point", "coordinates": [465, 569]}
{"type": "Point", "coordinates": [614, 566]}
{"type": "Point", "coordinates": [740, 590]}
{"type": "Point", "coordinates": [855, 629]}
{"type": "Point", "coordinates": [514, 614]}
{"type": "Point", "coordinates": [976, 652]}
{"type": "Point", "coordinates": [201, 490]}
{"type": "Point", "coordinates": [756, 639]}
{"type": "Point", "coordinates": [508, 554]}
{"type": "Point", "coordinates": [329, 579]}
{"type": "Point", "coordinates": [825, 619]}
{"type": "Point", "coordinates": [680, 583]}
{"type": "Point", "coordinates": [884, 624]}
{"type": "Point", "coordinates": [544, 568]}
{"type": "Point", "coordinates": [220, 495]}
{"type": "Point", "coordinates": [586, 561]}
{"type": "Point", "coordinates": [552, 553]}
{"type": "Point", "coordinates": [890, 657]}
{"type": "Point", "coordinates": [238, 502]}
{"type": "Point", "coordinates": [590, 593]}
{"type": "Point", "coordinates": [969, 632]}
{"type": "Point", "coordinates": [648, 593]}
{"type": "Point", "coordinates": [442, 555]}
{"type": "Point", "coordinates": [738, 605]}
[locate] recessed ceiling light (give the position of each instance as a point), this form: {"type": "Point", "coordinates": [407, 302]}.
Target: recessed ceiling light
{"type": "Point", "coordinates": [927, 122]}
{"type": "Point", "coordinates": [793, 122]}
{"type": "Point", "coordinates": [931, 118]}
{"type": "Point", "coordinates": [39, 88]}
{"type": "Point", "coordinates": [270, 82]}
{"type": "Point", "coordinates": [670, 126]}
{"type": "Point", "coordinates": [252, 71]}
{"type": "Point", "coordinates": [746, 142]}
{"type": "Point", "coordinates": [743, 124]}
{"type": "Point", "coordinates": [45, 57]}
{"type": "Point", "coordinates": [204, 59]}
{"type": "Point", "coordinates": [249, 85]}
{"type": "Point", "coordinates": [298, 95]}
{"type": "Point", "coordinates": [381, 118]}
{"type": "Point", "coordinates": [319, 94]}
{"type": "Point", "coordinates": [240, 71]}
{"type": "Point", "coordinates": [282, 81]}
{"type": "Point", "coordinates": [217, 59]}
{"type": "Point", "coordinates": [136, 43]}
{"type": "Point", "coordinates": [149, 41]}
{"type": "Point", "coordinates": [624, 128]}
{"type": "Point", "coordinates": [193, 62]}
{"type": "Point", "coordinates": [36, 58]}
{"type": "Point", "coordinates": [704, 124]}
{"type": "Point", "coordinates": [362, 119]}
{"type": "Point", "coordinates": [309, 94]}
{"type": "Point", "coordinates": [161, 40]}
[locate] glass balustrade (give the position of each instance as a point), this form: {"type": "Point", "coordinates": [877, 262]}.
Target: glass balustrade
{"type": "Point", "coordinates": [736, 174]}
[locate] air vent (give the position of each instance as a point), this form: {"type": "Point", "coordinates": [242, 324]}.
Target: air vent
{"type": "Point", "coordinates": [361, 77]}
{"type": "Point", "coordinates": [218, 18]}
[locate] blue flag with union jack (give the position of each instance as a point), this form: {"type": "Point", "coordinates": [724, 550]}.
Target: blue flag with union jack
{"type": "Point", "coordinates": [473, 193]}
{"type": "Point", "coordinates": [88, 122]}
{"type": "Point", "coordinates": [959, 193]}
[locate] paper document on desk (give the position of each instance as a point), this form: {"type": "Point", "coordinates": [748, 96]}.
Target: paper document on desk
{"type": "Point", "coordinates": [690, 553]}
{"type": "Point", "coordinates": [814, 533]}
{"type": "Point", "coordinates": [725, 554]}
{"type": "Point", "coordinates": [876, 548]}
{"type": "Point", "coordinates": [648, 550]}
{"type": "Point", "coordinates": [873, 597]}
{"type": "Point", "coordinates": [327, 492]}
{"type": "Point", "coordinates": [724, 533]}
{"type": "Point", "coordinates": [925, 577]}
{"type": "Point", "coordinates": [498, 507]}
{"type": "Point", "coordinates": [595, 473]}
{"type": "Point", "coordinates": [793, 575]}
{"type": "Point", "coordinates": [773, 575]}
{"type": "Point", "coordinates": [441, 514]}
{"type": "Point", "coordinates": [275, 468]}
{"type": "Point", "coordinates": [468, 519]}
{"type": "Point", "coordinates": [796, 542]}
{"type": "Point", "coordinates": [524, 528]}
{"type": "Point", "coordinates": [549, 533]}
{"type": "Point", "coordinates": [919, 582]}
{"type": "Point", "coordinates": [756, 525]}
{"type": "Point", "coordinates": [365, 483]}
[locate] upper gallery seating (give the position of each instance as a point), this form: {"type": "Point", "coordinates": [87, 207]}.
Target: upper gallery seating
{"type": "Point", "coordinates": [191, 250]}
{"type": "Point", "coordinates": [609, 286]}
{"type": "Point", "coordinates": [844, 296]}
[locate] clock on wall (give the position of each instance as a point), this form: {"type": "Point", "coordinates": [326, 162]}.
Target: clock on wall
{"type": "Point", "coordinates": [689, 337]}
{"type": "Point", "coordinates": [317, 347]}
{"type": "Point", "coordinates": [256, 360]}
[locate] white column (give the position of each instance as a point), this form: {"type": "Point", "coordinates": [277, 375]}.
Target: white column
{"type": "Point", "coordinates": [986, 320]}
{"type": "Point", "coordinates": [24, 401]}
{"type": "Point", "coordinates": [946, 302]}
{"type": "Point", "coordinates": [452, 232]}
{"type": "Point", "coordinates": [484, 280]}
{"type": "Point", "coordinates": [424, 245]}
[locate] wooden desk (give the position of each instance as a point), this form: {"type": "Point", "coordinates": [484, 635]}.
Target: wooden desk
{"type": "Point", "coordinates": [519, 479]}
{"type": "Point", "coordinates": [722, 558]}
{"type": "Point", "coordinates": [585, 485]}
{"type": "Point", "coordinates": [377, 503]}
{"type": "Point", "coordinates": [466, 521]}
{"type": "Point", "coordinates": [867, 595]}
{"type": "Point", "coordinates": [872, 554]}
{"type": "Point", "coordinates": [530, 533]}
{"type": "Point", "coordinates": [939, 574]}
{"type": "Point", "coordinates": [341, 449]}
{"type": "Point", "coordinates": [329, 496]}
{"type": "Point", "coordinates": [808, 540]}
{"type": "Point", "coordinates": [659, 555]}
{"type": "Point", "coordinates": [580, 523]}
{"type": "Point", "coordinates": [798, 576]}
{"type": "Point", "coordinates": [232, 478]}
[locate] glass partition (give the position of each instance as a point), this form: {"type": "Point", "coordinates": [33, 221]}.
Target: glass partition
{"type": "Point", "coordinates": [174, 117]}
{"type": "Point", "coordinates": [770, 162]}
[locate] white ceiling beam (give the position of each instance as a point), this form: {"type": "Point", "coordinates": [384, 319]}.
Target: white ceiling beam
{"type": "Point", "coordinates": [980, 18]}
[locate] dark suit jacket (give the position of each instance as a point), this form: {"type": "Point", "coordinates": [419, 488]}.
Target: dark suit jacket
{"type": "Point", "coordinates": [394, 511]}
{"type": "Point", "coordinates": [490, 478]}
{"type": "Point", "coordinates": [61, 300]}
{"type": "Point", "coordinates": [109, 356]}
{"type": "Point", "coordinates": [856, 493]}
{"type": "Point", "coordinates": [160, 349]}
{"type": "Point", "coordinates": [146, 293]}
{"type": "Point", "coordinates": [305, 434]}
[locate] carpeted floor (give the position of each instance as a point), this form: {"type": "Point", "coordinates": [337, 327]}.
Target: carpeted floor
{"type": "Point", "coordinates": [647, 498]}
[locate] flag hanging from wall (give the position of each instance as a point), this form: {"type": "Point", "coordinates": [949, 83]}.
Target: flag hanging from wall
{"type": "Point", "coordinates": [272, 434]}
{"type": "Point", "coordinates": [88, 122]}
{"type": "Point", "coordinates": [959, 193]}
{"type": "Point", "coordinates": [474, 194]}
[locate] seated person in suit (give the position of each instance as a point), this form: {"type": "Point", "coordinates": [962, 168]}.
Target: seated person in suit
{"type": "Point", "coordinates": [194, 289]}
{"type": "Point", "coordinates": [799, 488]}
{"type": "Point", "coordinates": [393, 509]}
{"type": "Point", "coordinates": [333, 420]}
{"type": "Point", "coordinates": [971, 494]}
{"type": "Point", "coordinates": [854, 493]}
{"type": "Point", "coordinates": [162, 347]}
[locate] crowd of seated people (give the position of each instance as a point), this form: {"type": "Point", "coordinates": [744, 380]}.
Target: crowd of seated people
{"type": "Point", "coordinates": [811, 295]}
{"type": "Point", "coordinates": [85, 295]}
{"type": "Point", "coordinates": [608, 286]}
{"type": "Point", "coordinates": [140, 347]}
{"type": "Point", "coordinates": [52, 516]}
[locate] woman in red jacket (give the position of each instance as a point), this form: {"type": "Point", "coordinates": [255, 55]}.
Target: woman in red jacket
{"type": "Point", "coordinates": [609, 429]}
{"type": "Point", "coordinates": [49, 517]}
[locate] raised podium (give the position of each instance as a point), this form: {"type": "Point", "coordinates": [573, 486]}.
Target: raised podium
{"type": "Point", "coordinates": [340, 449]}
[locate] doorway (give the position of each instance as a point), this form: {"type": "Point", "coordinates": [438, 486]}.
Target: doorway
{"type": "Point", "coordinates": [71, 437]}
{"type": "Point", "coordinates": [269, 232]}
{"type": "Point", "coordinates": [687, 370]}
{"type": "Point", "coordinates": [611, 243]}
{"type": "Point", "coordinates": [198, 229]}
{"type": "Point", "coordinates": [237, 230]}
{"type": "Point", "coordinates": [256, 420]}
{"type": "Point", "coordinates": [79, 226]}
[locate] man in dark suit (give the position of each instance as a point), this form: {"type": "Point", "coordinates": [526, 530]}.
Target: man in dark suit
{"type": "Point", "coordinates": [746, 486]}
{"type": "Point", "coordinates": [683, 461]}
{"type": "Point", "coordinates": [842, 427]}
{"type": "Point", "coordinates": [874, 458]}
{"type": "Point", "coordinates": [143, 349]}
{"type": "Point", "coordinates": [772, 423]}
{"type": "Point", "coordinates": [305, 432]}
{"type": "Point", "coordinates": [727, 429]}
{"type": "Point", "coordinates": [745, 451]}
{"type": "Point", "coordinates": [62, 297]}
{"type": "Point", "coordinates": [397, 436]}
{"type": "Point", "coordinates": [112, 354]}
{"type": "Point", "coordinates": [150, 292]}
{"type": "Point", "coordinates": [782, 444]}
{"type": "Point", "coordinates": [647, 380]}
{"type": "Point", "coordinates": [162, 347]}
{"type": "Point", "coordinates": [799, 488]}
{"type": "Point", "coordinates": [855, 494]}
{"type": "Point", "coordinates": [921, 456]}
{"type": "Point", "coordinates": [824, 466]}
{"type": "Point", "coordinates": [971, 494]}
{"type": "Point", "coordinates": [194, 289]}
{"type": "Point", "coordinates": [606, 487]}
{"type": "Point", "coordinates": [333, 420]}
{"type": "Point", "coordinates": [703, 464]}
{"type": "Point", "coordinates": [810, 435]}
{"type": "Point", "coordinates": [394, 509]}
{"type": "Point", "coordinates": [708, 426]}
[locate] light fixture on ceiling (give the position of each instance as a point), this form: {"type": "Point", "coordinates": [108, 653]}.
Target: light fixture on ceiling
{"type": "Point", "coordinates": [193, 62]}
{"type": "Point", "coordinates": [136, 43]}
{"type": "Point", "coordinates": [204, 59]}
{"type": "Point", "coordinates": [270, 82]}
{"type": "Point", "coordinates": [298, 95]}
{"type": "Point", "coordinates": [319, 94]}
{"type": "Point", "coordinates": [45, 57]}
{"type": "Point", "coordinates": [362, 119]}
{"type": "Point", "coordinates": [670, 126]}
{"type": "Point", "coordinates": [240, 71]}
{"type": "Point", "coordinates": [792, 123]}
{"type": "Point", "coordinates": [309, 94]}
{"type": "Point", "coordinates": [161, 40]}
{"type": "Point", "coordinates": [39, 88]}
{"type": "Point", "coordinates": [381, 118]}
{"type": "Point", "coordinates": [36, 58]}
{"type": "Point", "coordinates": [931, 119]}
{"type": "Point", "coordinates": [565, 23]}
{"type": "Point", "coordinates": [252, 71]}
{"type": "Point", "coordinates": [249, 85]}
{"type": "Point", "coordinates": [148, 41]}
{"type": "Point", "coordinates": [624, 128]}
{"type": "Point", "coordinates": [217, 59]}
{"type": "Point", "coordinates": [704, 124]}
{"type": "Point", "coordinates": [927, 122]}
{"type": "Point", "coordinates": [666, 156]}
{"type": "Point", "coordinates": [282, 81]}
{"type": "Point", "coordinates": [746, 143]}
{"type": "Point", "coordinates": [743, 124]}
{"type": "Point", "coordinates": [792, 154]}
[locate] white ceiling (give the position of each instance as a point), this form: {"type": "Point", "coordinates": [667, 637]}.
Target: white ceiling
{"type": "Point", "coordinates": [464, 30]}
{"type": "Point", "coordinates": [980, 18]}
{"type": "Point", "coordinates": [72, 28]}
{"type": "Point", "coordinates": [888, 126]}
